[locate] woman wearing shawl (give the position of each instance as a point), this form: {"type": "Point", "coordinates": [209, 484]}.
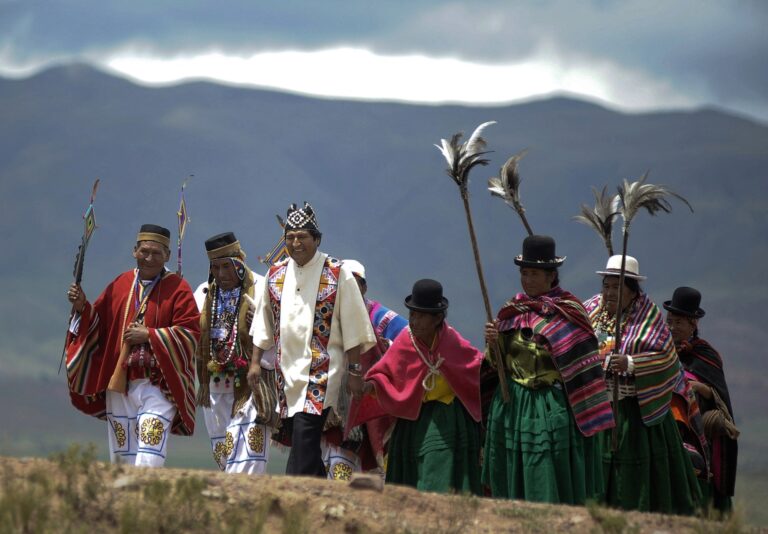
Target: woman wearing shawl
{"type": "Point", "coordinates": [704, 371]}
{"type": "Point", "coordinates": [539, 446]}
{"type": "Point", "coordinates": [429, 379]}
{"type": "Point", "coordinates": [649, 470]}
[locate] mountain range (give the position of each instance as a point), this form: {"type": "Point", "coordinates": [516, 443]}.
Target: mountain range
{"type": "Point", "coordinates": [381, 194]}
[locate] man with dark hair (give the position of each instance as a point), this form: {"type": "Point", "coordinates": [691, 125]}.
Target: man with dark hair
{"type": "Point", "coordinates": [239, 436]}
{"type": "Point", "coordinates": [313, 313]}
{"type": "Point", "coordinates": [130, 354]}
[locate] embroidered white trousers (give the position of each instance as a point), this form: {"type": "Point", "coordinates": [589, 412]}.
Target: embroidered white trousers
{"type": "Point", "coordinates": [139, 424]}
{"type": "Point", "coordinates": [239, 443]}
{"type": "Point", "coordinates": [340, 463]}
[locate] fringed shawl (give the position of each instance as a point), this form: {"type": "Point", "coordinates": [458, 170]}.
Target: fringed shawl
{"type": "Point", "coordinates": [561, 320]}
{"type": "Point", "coordinates": [398, 376]}
{"type": "Point", "coordinates": [701, 360]}
{"type": "Point", "coordinates": [203, 356]}
{"type": "Point", "coordinates": [647, 339]}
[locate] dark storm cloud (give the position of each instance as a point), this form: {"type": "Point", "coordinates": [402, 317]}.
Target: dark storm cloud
{"type": "Point", "coordinates": [714, 51]}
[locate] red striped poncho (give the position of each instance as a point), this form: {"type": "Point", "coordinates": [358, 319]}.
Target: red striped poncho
{"type": "Point", "coordinates": [174, 329]}
{"type": "Point", "coordinates": [647, 339]}
{"type": "Point", "coordinates": [560, 319]}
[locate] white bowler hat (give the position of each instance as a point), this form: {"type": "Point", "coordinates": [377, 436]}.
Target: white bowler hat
{"type": "Point", "coordinates": [613, 268]}
{"type": "Point", "coordinates": [355, 267]}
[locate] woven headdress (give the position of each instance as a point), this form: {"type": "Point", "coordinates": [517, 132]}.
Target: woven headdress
{"type": "Point", "coordinates": [301, 218]}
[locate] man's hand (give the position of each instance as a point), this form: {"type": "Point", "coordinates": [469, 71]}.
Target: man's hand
{"type": "Point", "coordinates": [619, 363]}
{"type": "Point", "coordinates": [136, 334]}
{"type": "Point", "coordinates": [76, 297]}
{"type": "Point", "coordinates": [254, 376]}
{"type": "Point", "coordinates": [491, 332]}
{"type": "Point", "coordinates": [354, 385]}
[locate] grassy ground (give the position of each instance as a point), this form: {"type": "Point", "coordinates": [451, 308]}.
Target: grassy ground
{"type": "Point", "coordinates": [74, 493]}
{"type": "Point", "coordinates": [43, 423]}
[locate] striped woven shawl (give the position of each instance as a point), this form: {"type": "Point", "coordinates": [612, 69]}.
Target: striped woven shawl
{"type": "Point", "coordinates": [647, 339]}
{"type": "Point", "coordinates": [561, 320]}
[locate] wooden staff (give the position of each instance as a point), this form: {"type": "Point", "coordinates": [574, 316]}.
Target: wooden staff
{"type": "Point", "coordinates": [461, 158]}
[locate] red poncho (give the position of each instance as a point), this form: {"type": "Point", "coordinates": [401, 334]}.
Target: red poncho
{"type": "Point", "coordinates": [397, 377]}
{"type": "Point", "coordinates": [174, 329]}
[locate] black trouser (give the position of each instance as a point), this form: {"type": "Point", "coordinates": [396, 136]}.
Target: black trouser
{"type": "Point", "coordinates": [306, 457]}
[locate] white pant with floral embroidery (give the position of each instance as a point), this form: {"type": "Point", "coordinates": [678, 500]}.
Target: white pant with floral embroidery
{"type": "Point", "coordinates": [240, 444]}
{"type": "Point", "coordinates": [340, 463]}
{"type": "Point", "coordinates": [138, 424]}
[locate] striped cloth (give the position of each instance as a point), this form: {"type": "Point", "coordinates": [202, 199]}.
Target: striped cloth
{"type": "Point", "coordinates": [647, 339]}
{"type": "Point", "coordinates": [174, 326]}
{"type": "Point", "coordinates": [561, 320]}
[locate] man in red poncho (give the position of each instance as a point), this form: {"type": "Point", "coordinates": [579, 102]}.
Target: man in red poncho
{"type": "Point", "coordinates": [130, 354]}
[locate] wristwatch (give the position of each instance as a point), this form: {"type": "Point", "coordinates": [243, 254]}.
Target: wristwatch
{"type": "Point", "coordinates": [355, 367]}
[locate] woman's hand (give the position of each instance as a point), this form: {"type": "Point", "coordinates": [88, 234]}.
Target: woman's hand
{"type": "Point", "coordinates": [354, 385]}
{"type": "Point", "coordinates": [491, 332]}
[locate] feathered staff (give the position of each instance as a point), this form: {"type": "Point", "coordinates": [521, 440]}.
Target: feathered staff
{"type": "Point", "coordinates": [507, 187]}
{"type": "Point", "coordinates": [600, 218]}
{"type": "Point", "coordinates": [462, 158]}
{"type": "Point", "coordinates": [633, 197]}
{"type": "Point", "coordinates": [183, 220]}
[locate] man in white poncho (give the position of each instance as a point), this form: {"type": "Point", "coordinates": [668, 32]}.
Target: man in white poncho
{"type": "Point", "coordinates": [313, 313]}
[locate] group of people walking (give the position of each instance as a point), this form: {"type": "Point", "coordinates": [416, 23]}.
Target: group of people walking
{"type": "Point", "coordinates": [303, 358]}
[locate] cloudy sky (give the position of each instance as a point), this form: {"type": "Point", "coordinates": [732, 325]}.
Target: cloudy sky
{"type": "Point", "coordinates": [634, 55]}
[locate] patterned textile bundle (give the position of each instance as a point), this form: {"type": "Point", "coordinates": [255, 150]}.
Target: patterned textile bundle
{"type": "Point", "coordinates": [648, 340]}
{"type": "Point", "coordinates": [704, 364]}
{"type": "Point", "coordinates": [265, 399]}
{"type": "Point", "coordinates": [560, 318]}
{"type": "Point", "coordinates": [689, 414]}
{"type": "Point", "coordinates": [203, 356]}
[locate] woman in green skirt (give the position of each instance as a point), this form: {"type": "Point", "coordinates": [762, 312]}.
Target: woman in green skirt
{"type": "Point", "coordinates": [429, 379]}
{"type": "Point", "coordinates": [539, 445]}
{"type": "Point", "coordinates": [649, 469]}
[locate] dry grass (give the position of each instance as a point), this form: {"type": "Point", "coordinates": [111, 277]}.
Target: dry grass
{"type": "Point", "coordinates": [74, 493]}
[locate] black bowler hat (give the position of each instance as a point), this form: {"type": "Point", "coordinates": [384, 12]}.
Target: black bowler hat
{"type": "Point", "coordinates": [685, 301]}
{"type": "Point", "coordinates": [427, 296]}
{"type": "Point", "coordinates": [539, 253]}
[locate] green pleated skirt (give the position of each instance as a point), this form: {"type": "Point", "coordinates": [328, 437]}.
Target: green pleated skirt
{"type": "Point", "coordinates": [650, 470]}
{"type": "Point", "coordinates": [440, 451]}
{"type": "Point", "coordinates": [535, 451]}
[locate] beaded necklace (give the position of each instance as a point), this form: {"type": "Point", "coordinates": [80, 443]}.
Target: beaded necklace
{"type": "Point", "coordinates": [605, 321]}
{"type": "Point", "coordinates": [142, 292]}
{"type": "Point", "coordinates": [224, 313]}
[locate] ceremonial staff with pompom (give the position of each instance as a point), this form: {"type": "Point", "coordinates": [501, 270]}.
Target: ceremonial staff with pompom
{"type": "Point", "coordinates": [462, 158]}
